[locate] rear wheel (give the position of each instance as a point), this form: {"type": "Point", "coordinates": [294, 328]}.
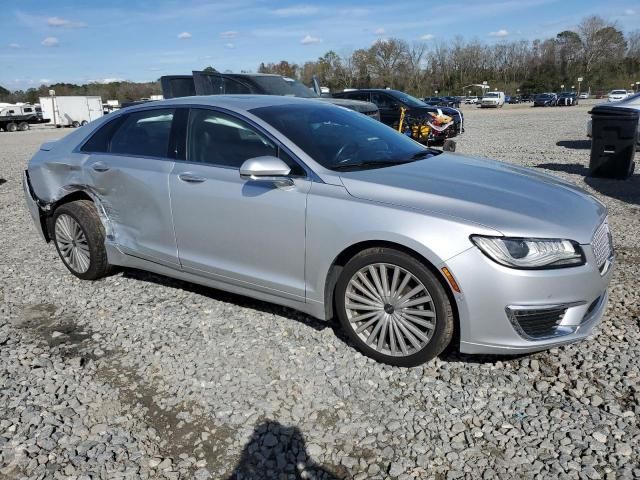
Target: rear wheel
{"type": "Point", "coordinates": [23, 126]}
{"type": "Point", "coordinates": [12, 127]}
{"type": "Point", "coordinates": [75, 124]}
{"type": "Point", "coordinates": [393, 308]}
{"type": "Point", "coordinates": [84, 122]}
{"type": "Point", "coordinates": [79, 237]}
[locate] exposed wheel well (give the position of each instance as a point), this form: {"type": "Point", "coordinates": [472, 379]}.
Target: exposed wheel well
{"type": "Point", "coordinates": [347, 254]}
{"type": "Point", "coordinates": [72, 197]}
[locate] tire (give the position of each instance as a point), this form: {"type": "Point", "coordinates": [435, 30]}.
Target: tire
{"type": "Point", "coordinates": [78, 235]}
{"type": "Point", "coordinates": [75, 124]}
{"type": "Point", "coordinates": [12, 127]}
{"type": "Point", "coordinates": [84, 122]}
{"type": "Point", "coordinates": [432, 315]}
{"type": "Point", "coordinates": [23, 126]}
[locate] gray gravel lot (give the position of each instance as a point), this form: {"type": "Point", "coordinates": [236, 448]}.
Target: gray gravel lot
{"type": "Point", "coordinates": [141, 376]}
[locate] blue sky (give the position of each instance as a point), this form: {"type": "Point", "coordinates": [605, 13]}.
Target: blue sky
{"type": "Point", "coordinates": [80, 40]}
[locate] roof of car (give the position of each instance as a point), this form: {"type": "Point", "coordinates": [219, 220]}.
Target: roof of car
{"type": "Point", "coordinates": [234, 102]}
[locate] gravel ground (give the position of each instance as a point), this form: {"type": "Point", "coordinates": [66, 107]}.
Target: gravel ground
{"type": "Point", "coordinates": [141, 376]}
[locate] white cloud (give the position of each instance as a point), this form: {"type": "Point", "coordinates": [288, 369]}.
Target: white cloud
{"type": "Point", "coordinates": [64, 23]}
{"type": "Point", "coordinates": [500, 33]}
{"type": "Point", "coordinates": [380, 31]}
{"type": "Point", "coordinates": [629, 11]}
{"type": "Point", "coordinates": [229, 35]}
{"type": "Point", "coordinates": [428, 36]}
{"type": "Point", "coordinates": [110, 80]}
{"type": "Point", "coordinates": [50, 42]}
{"type": "Point", "coordinates": [45, 81]}
{"type": "Point", "coordinates": [229, 45]}
{"type": "Point", "coordinates": [184, 36]}
{"type": "Point", "coordinates": [14, 45]}
{"type": "Point", "coordinates": [308, 40]}
{"type": "Point", "coordinates": [296, 11]}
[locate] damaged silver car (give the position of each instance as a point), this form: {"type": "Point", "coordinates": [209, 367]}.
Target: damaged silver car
{"type": "Point", "coordinates": [327, 211]}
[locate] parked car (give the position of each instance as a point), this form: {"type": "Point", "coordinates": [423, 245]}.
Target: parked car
{"type": "Point", "coordinates": [617, 95]}
{"type": "Point", "coordinates": [513, 99]}
{"type": "Point", "coordinates": [584, 96]}
{"type": "Point", "coordinates": [319, 208]}
{"type": "Point", "coordinates": [214, 83]}
{"type": "Point", "coordinates": [471, 100]}
{"type": "Point", "coordinates": [567, 99]}
{"type": "Point", "coordinates": [525, 98]}
{"type": "Point", "coordinates": [545, 100]}
{"type": "Point", "coordinates": [492, 100]}
{"type": "Point", "coordinates": [389, 103]}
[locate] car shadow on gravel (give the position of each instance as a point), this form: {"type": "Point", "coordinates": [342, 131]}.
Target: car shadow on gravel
{"type": "Point", "coordinates": [627, 191]}
{"type": "Point", "coordinates": [575, 144]}
{"type": "Point", "coordinates": [2, 181]}
{"type": "Point", "coordinates": [278, 451]}
{"type": "Point", "coordinates": [222, 296]}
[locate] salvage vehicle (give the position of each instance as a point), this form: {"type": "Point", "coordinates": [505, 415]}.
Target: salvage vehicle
{"type": "Point", "coordinates": [392, 102]}
{"type": "Point", "coordinates": [214, 83]}
{"type": "Point", "coordinates": [545, 100]}
{"type": "Point", "coordinates": [492, 100]}
{"type": "Point", "coordinates": [322, 209]}
{"type": "Point", "coordinates": [567, 99]}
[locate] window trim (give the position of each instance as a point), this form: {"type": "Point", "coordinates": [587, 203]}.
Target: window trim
{"type": "Point", "coordinates": [279, 145]}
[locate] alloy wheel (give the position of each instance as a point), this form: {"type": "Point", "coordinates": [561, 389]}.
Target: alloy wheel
{"type": "Point", "coordinates": [72, 243]}
{"type": "Point", "coordinates": [390, 309]}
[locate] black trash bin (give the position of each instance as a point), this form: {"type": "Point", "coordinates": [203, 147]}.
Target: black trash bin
{"type": "Point", "coordinates": [614, 133]}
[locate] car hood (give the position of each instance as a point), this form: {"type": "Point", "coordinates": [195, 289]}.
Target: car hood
{"type": "Point", "coordinates": [356, 105]}
{"type": "Point", "coordinates": [513, 200]}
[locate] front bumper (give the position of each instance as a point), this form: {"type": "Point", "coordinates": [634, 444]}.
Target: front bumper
{"type": "Point", "coordinates": [491, 292]}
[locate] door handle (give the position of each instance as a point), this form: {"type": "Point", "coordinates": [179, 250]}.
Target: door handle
{"type": "Point", "coordinates": [191, 178]}
{"type": "Point", "coordinates": [100, 167]}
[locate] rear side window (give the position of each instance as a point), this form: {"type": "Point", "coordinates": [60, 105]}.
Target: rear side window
{"type": "Point", "coordinates": [143, 133]}
{"type": "Point", "coordinates": [382, 100]}
{"type": "Point", "coordinates": [99, 141]}
{"type": "Point", "coordinates": [219, 139]}
{"type": "Point", "coordinates": [362, 96]}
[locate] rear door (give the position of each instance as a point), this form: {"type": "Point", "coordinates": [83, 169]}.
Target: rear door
{"type": "Point", "coordinates": [128, 167]}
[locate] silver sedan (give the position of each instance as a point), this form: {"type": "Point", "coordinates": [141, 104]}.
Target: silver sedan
{"type": "Point", "coordinates": [324, 210]}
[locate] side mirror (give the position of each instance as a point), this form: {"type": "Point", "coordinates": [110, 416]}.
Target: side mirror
{"type": "Point", "coordinates": [265, 169]}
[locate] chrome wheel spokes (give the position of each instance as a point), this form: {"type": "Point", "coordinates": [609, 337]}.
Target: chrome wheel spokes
{"type": "Point", "coordinates": [390, 309]}
{"type": "Point", "coordinates": [72, 243]}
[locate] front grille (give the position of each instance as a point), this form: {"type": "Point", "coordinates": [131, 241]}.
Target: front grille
{"type": "Point", "coordinates": [537, 323]}
{"type": "Point", "coordinates": [602, 245]}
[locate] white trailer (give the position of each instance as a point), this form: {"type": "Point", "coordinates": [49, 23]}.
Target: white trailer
{"type": "Point", "coordinates": [71, 111]}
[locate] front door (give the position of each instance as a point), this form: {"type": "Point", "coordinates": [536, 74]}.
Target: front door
{"type": "Point", "coordinates": [388, 106]}
{"type": "Point", "coordinates": [128, 167]}
{"type": "Point", "coordinates": [238, 231]}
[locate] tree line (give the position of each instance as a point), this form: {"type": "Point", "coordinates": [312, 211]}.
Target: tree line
{"type": "Point", "coordinates": [597, 50]}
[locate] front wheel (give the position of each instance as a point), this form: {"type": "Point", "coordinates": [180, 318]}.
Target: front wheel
{"type": "Point", "coordinates": [79, 237]}
{"type": "Point", "coordinates": [393, 308]}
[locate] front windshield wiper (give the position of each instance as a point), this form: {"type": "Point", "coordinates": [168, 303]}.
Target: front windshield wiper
{"type": "Point", "coordinates": [372, 163]}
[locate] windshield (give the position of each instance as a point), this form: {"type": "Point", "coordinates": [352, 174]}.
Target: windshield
{"type": "Point", "coordinates": [619, 92]}
{"type": "Point", "coordinates": [491, 95]}
{"type": "Point", "coordinates": [408, 99]}
{"type": "Point", "coordinates": [341, 139]}
{"type": "Point", "coordinates": [276, 85]}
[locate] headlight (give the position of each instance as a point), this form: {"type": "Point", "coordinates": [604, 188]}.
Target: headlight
{"type": "Point", "coordinates": [530, 253]}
